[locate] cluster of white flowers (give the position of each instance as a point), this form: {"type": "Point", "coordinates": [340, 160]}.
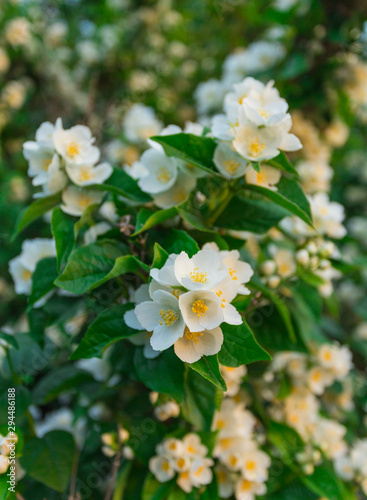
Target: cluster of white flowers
{"type": "Point", "coordinates": [23, 266]}
{"type": "Point", "coordinates": [327, 218]}
{"type": "Point", "coordinates": [111, 441]}
{"type": "Point", "coordinates": [185, 457]}
{"type": "Point", "coordinates": [243, 467]}
{"type": "Point", "coordinates": [6, 444]}
{"type": "Point", "coordinates": [168, 180]}
{"type": "Point", "coordinates": [330, 362]}
{"type": "Point", "coordinates": [309, 376]}
{"type": "Point", "coordinates": [255, 125]}
{"type": "Point", "coordinates": [353, 465]}
{"type": "Point", "coordinates": [188, 300]}
{"type": "Point", "coordinates": [60, 155]}
{"type": "Point", "coordinates": [258, 57]}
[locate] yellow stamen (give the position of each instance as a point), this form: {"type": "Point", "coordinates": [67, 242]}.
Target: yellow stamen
{"type": "Point", "coordinates": [163, 175]}
{"type": "Point", "coordinates": [193, 336]}
{"type": "Point", "coordinates": [73, 149]}
{"type": "Point", "coordinates": [260, 177]}
{"type": "Point", "coordinates": [231, 166]}
{"type": "Point", "coordinates": [250, 465]}
{"type": "Point", "coordinates": [198, 277]}
{"type": "Point", "coordinates": [165, 466]}
{"type": "Point", "coordinates": [85, 174]}
{"type": "Point", "coordinates": [26, 275]}
{"type": "Point", "coordinates": [169, 317]}
{"type": "Point", "coordinates": [232, 273]}
{"type": "Point", "coordinates": [254, 147]}
{"type": "Point", "coordinates": [245, 485]}
{"type": "Point", "coordinates": [199, 307]}
{"type": "Point", "coordinates": [199, 470]}
{"type": "Point", "coordinates": [45, 164]}
{"type": "Point", "coordinates": [85, 201]}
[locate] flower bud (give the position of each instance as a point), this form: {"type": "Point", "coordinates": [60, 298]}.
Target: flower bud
{"type": "Point", "coordinates": [303, 257]}
{"type": "Point", "coordinates": [273, 281]}
{"type": "Point", "coordinates": [268, 267]}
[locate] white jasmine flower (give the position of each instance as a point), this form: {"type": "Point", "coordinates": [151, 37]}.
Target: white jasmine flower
{"type": "Point", "coordinates": [162, 316]}
{"type": "Point", "coordinates": [94, 231]}
{"type": "Point", "coordinates": [22, 267]}
{"type": "Point", "coordinates": [18, 31]}
{"type": "Point", "coordinates": [171, 447]}
{"type": "Point", "coordinates": [233, 378]}
{"type": "Point", "coordinates": [201, 310]}
{"type": "Point", "coordinates": [337, 359]}
{"type": "Point", "coordinates": [224, 481]}
{"type": "Point", "coordinates": [285, 262]}
{"type": "Point", "coordinates": [209, 96]}
{"type": "Point", "coordinates": [75, 145]}
{"type": "Point", "coordinates": [318, 379]}
{"type": "Point", "coordinates": [240, 272]}
{"type": "Point", "coordinates": [162, 468]}
{"type": "Point", "coordinates": [4, 464]}
{"type": "Point", "coordinates": [255, 466]}
{"type": "Point", "coordinates": [200, 472]}
{"type": "Point", "coordinates": [344, 467]}
{"type": "Point", "coordinates": [55, 181]}
{"type": "Point", "coordinates": [315, 176]}
{"type": "Point", "coordinates": [76, 200]}
{"type": "Point", "coordinates": [267, 177]}
{"type": "Point", "coordinates": [162, 172]}
{"type": "Point", "coordinates": [193, 345]}
{"type": "Point", "coordinates": [248, 490]}
{"type": "Point", "coordinates": [226, 292]}
{"type": "Point", "coordinates": [86, 175]}
{"type": "Point", "coordinates": [193, 447]}
{"type": "Point", "coordinates": [229, 163]}
{"type": "Point", "coordinates": [178, 193]}
{"type": "Point", "coordinates": [140, 123]}
{"type": "Point", "coordinates": [166, 275]}
{"type": "Point", "coordinates": [203, 271]}
{"type": "Point", "coordinates": [167, 410]}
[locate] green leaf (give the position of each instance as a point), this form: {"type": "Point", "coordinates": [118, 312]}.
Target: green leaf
{"type": "Point", "coordinates": [294, 489]}
{"type": "Point", "coordinates": [163, 374]}
{"type": "Point", "coordinates": [8, 340]}
{"type": "Point", "coordinates": [50, 460]}
{"type": "Point", "coordinates": [193, 149]}
{"type": "Point", "coordinates": [177, 241]}
{"type": "Point", "coordinates": [268, 326]}
{"type": "Point", "coordinates": [122, 184]}
{"type": "Point", "coordinates": [199, 403]}
{"type": "Point", "coordinates": [91, 266]}
{"type": "Point", "coordinates": [289, 196]}
{"type": "Point", "coordinates": [43, 279]}
{"type": "Point", "coordinates": [245, 214]}
{"type": "Point", "coordinates": [147, 219]}
{"type": "Point", "coordinates": [190, 213]}
{"type": "Point", "coordinates": [107, 329]}
{"type": "Point", "coordinates": [154, 490]}
{"type": "Point", "coordinates": [62, 227]}
{"type": "Point", "coordinates": [286, 440]}
{"type": "Point", "coordinates": [282, 162]}
{"type": "Point", "coordinates": [160, 256]}
{"type": "Point", "coordinates": [35, 210]}
{"type": "Point", "coordinates": [240, 346]}
{"type": "Point", "coordinates": [208, 367]}
{"type": "Point", "coordinates": [64, 378]}
{"type": "Point", "coordinates": [324, 482]}
{"type": "Point", "coordinates": [279, 304]}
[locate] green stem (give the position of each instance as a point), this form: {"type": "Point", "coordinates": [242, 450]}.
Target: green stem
{"type": "Point", "coordinates": [225, 202]}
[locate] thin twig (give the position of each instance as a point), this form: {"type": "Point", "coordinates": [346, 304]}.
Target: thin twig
{"type": "Point", "coordinates": [115, 466]}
